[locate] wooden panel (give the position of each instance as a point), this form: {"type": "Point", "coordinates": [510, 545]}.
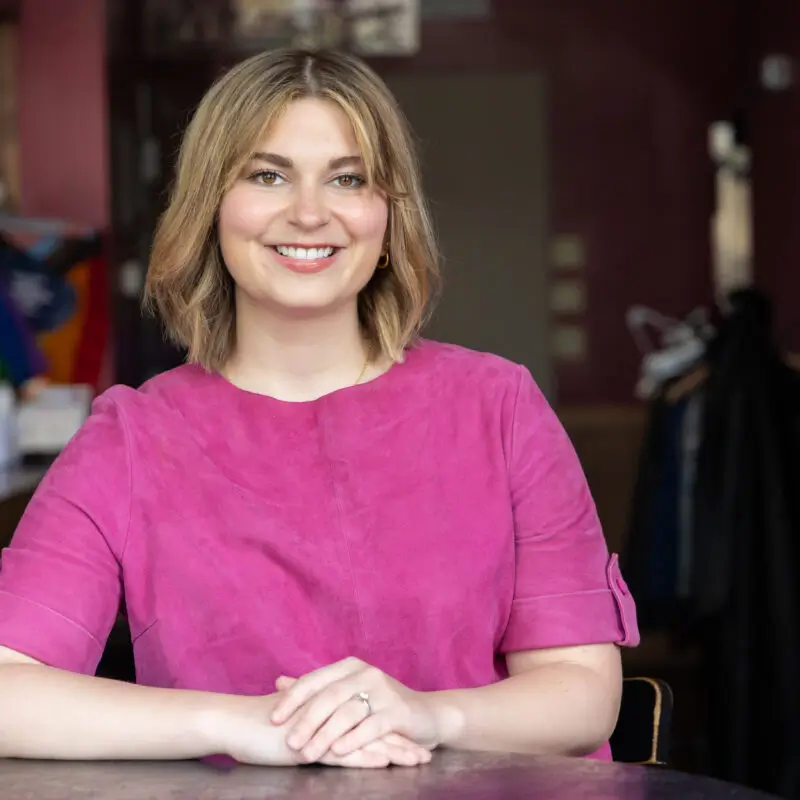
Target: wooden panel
{"type": "Point", "coordinates": [502, 310]}
{"type": "Point", "coordinates": [608, 439]}
{"type": "Point", "coordinates": [9, 127]}
{"type": "Point", "coordinates": [9, 10]}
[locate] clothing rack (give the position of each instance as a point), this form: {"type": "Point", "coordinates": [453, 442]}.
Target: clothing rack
{"type": "Point", "coordinates": [713, 541]}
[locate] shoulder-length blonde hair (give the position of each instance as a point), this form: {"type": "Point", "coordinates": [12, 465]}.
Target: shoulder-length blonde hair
{"type": "Point", "coordinates": [187, 281]}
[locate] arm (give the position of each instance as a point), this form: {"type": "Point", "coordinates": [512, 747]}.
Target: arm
{"type": "Point", "coordinates": [60, 590]}
{"type": "Point", "coordinates": [571, 607]}
{"type": "Point", "coordinates": [562, 701]}
{"type": "Point", "coordinates": [559, 701]}
{"type": "Point", "coordinates": [50, 713]}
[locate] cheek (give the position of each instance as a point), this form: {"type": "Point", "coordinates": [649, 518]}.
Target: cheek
{"type": "Point", "coordinates": [243, 214]}
{"type": "Point", "coordinates": [368, 221]}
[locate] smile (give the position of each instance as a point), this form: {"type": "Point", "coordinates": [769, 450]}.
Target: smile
{"type": "Point", "coordinates": [305, 253]}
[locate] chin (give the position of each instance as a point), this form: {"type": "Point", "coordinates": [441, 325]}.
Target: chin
{"type": "Point", "coordinates": [305, 304]}
{"type": "Point", "coordinates": [305, 295]}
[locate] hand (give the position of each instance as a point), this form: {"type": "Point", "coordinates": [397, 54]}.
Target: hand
{"type": "Point", "coordinates": [244, 732]}
{"type": "Point", "coordinates": [323, 714]}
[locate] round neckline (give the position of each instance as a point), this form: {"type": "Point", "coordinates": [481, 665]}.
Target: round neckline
{"type": "Point", "coordinates": [378, 382]}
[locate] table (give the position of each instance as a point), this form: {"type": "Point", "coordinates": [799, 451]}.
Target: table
{"type": "Point", "coordinates": [450, 776]}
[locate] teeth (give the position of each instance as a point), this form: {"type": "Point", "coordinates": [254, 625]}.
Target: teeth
{"type": "Point", "coordinates": [305, 253]}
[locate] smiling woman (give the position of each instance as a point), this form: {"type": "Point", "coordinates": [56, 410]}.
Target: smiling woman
{"type": "Point", "coordinates": [335, 541]}
{"type": "Point", "coordinates": [283, 148]}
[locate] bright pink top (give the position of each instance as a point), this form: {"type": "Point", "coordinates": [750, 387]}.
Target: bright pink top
{"type": "Point", "coordinates": [427, 522]}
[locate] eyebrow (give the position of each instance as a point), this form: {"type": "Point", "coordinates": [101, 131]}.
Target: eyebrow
{"type": "Point", "coordinates": [287, 163]}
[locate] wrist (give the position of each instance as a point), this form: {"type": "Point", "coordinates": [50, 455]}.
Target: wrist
{"type": "Point", "coordinates": [216, 721]}
{"type": "Point", "coordinates": [238, 726]}
{"type": "Point", "coordinates": [448, 717]}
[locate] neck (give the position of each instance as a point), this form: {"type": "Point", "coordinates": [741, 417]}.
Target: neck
{"type": "Point", "coordinates": [296, 358]}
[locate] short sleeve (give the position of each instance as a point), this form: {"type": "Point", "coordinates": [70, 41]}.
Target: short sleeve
{"type": "Point", "coordinates": [60, 577]}
{"type": "Point", "coordinates": [568, 589]}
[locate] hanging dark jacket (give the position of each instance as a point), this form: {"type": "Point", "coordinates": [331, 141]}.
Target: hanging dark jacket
{"type": "Point", "coordinates": [746, 574]}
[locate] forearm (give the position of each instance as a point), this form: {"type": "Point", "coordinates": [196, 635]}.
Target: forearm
{"type": "Point", "coordinates": [52, 714]}
{"type": "Point", "coordinates": [564, 709]}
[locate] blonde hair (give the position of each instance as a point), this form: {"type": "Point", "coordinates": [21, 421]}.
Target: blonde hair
{"type": "Point", "coordinates": [187, 281]}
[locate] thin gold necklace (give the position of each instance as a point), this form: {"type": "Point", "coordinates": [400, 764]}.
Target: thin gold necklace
{"type": "Point", "coordinates": [364, 368]}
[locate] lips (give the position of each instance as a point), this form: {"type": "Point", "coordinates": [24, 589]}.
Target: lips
{"type": "Point", "coordinates": [306, 260]}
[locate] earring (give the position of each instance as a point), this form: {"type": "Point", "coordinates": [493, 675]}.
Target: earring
{"type": "Point", "coordinates": [383, 261]}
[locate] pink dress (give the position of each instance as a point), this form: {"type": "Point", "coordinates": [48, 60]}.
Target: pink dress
{"type": "Point", "coordinates": [428, 522]}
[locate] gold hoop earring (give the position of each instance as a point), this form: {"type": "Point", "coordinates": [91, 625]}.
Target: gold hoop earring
{"type": "Point", "coordinates": [383, 261]}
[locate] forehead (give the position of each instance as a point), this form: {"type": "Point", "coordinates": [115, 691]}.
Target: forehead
{"type": "Point", "coordinates": [309, 127]}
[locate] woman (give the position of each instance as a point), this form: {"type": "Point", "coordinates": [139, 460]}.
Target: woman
{"type": "Point", "coordinates": [334, 541]}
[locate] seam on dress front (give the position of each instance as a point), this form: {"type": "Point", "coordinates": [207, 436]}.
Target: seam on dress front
{"type": "Point", "coordinates": [337, 494]}
{"type": "Point", "coordinates": [128, 447]}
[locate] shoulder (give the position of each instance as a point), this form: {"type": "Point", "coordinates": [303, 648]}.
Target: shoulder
{"type": "Point", "coordinates": [465, 367]}
{"type": "Point", "coordinates": [468, 375]}
{"type": "Point", "coordinates": [160, 397]}
{"type": "Point", "coordinates": [478, 385]}
{"type": "Point", "coordinates": [122, 414]}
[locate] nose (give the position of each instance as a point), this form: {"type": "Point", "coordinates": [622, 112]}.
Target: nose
{"type": "Point", "coordinates": [308, 209]}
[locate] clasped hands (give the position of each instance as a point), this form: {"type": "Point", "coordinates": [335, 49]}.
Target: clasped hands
{"type": "Point", "coordinates": [326, 721]}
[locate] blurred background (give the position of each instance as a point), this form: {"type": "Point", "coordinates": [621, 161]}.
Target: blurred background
{"type": "Point", "coordinates": [617, 196]}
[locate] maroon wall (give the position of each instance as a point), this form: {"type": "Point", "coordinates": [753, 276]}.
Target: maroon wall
{"type": "Point", "coordinates": [63, 111]}
{"type": "Point", "coordinates": [775, 135]}
{"type": "Point", "coordinates": [633, 87]}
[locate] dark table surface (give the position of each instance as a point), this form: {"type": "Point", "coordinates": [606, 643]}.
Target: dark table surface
{"type": "Point", "coordinates": [456, 776]}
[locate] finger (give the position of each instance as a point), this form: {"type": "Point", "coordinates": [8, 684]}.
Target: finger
{"type": "Point", "coordinates": [309, 685]}
{"type": "Point", "coordinates": [401, 741]}
{"type": "Point", "coordinates": [392, 749]}
{"type": "Point", "coordinates": [398, 754]}
{"type": "Point", "coordinates": [396, 738]}
{"type": "Point", "coordinates": [363, 759]}
{"type": "Point", "coordinates": [321, 707]}
{"type": "Point", "coordinates": [344, 719]}
{"type": "Point", "coordinates": [283, 682]}
{"type": "Point", "coordinates": [357, 736]}
{"type": "Point", "coordinates": [344, 747]}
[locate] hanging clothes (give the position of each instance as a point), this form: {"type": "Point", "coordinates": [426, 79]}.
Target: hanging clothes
{"type": "Point", "coordinates": [714, 542]}
{"type": "Point", "coordinates": [21, 360]}
{"type": "Point", "coordinates": [54, 278]}
{"type": "Point", "coordinates": [746, 571]}
{"type": "Point", "coordinates": [659, 557]}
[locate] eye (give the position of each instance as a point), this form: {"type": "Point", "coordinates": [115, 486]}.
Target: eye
{"type": "Point", "coordinates": [349, 181]}
{"type": "Point", "coordinates": [266, 177]}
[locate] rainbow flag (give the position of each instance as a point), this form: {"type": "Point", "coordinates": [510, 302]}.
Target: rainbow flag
{"type": "Point", "coordinates": [54, 298]}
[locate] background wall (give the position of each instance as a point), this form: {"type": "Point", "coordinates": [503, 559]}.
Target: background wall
{"type": "Point", "coordinates": [774, 128]}
{"type": "Point", "coordinates": [632, 89]}
{"type": "Point", "coordinates": [63, 110]}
